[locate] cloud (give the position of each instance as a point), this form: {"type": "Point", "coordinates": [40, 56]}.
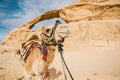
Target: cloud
{"type": "Point", "coordinates": [31, 9]}
{"type": "Point", "coordinates": [2, 14]}
{"type": "Point", "coordinates": [3, 31]}
{"type": "Point", "coordinates": [2, 6]}
{"type": "Point", "coordinates": [28, 9]}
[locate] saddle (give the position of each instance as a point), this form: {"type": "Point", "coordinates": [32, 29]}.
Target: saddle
{"type": "Point", "coordinates": [33, 45]}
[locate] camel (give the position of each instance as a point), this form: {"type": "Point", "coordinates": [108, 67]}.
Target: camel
{"type": "Point", "coordinates": [37, 64]}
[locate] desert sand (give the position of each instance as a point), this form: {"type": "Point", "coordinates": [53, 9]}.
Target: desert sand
{"type": "Point", "coordinates": [95, 64]}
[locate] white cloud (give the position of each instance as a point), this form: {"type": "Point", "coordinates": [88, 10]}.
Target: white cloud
{"type": "Point", "coordinates": [2, 14]}
{"type": "Point", "coordinates": [31, 9]}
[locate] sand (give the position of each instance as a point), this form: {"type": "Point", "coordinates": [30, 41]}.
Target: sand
{"type": "Point", "coordinates": [95, 64]}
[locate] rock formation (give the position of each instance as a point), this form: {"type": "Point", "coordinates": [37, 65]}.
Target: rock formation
{"type": "Point", "coordinates": [91, 22]}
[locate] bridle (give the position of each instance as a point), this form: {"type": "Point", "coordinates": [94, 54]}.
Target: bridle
{"type": "Point", "coordinates": [52, 35]}
{"type": "Point", "coordinates": [60, 48]}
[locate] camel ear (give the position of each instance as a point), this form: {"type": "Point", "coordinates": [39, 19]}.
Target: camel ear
{"type": "Point", "coordinates": [42, 29]}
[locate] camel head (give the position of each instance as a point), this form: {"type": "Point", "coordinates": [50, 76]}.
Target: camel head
{"type": "Point", "coordinates": [58, 32]}
{"type": "Point", "coordinates": [61, 32]}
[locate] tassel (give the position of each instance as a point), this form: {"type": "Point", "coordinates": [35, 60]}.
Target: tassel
{"type": "Point", "coordinates": [44, 57]}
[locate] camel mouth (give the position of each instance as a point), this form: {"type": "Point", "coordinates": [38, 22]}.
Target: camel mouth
{"type": "Point", "coordinates": [64, 34]}
{"type": "Point", "coordinates": [63, 31]}
{"type": "Point", "coordinates": [61, 40]}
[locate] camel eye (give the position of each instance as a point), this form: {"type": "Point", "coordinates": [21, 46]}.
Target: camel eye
{"type": "Point", "coordinates": [47, 30]}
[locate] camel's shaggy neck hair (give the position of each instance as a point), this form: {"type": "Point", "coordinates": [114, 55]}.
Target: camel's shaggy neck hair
{"type": "Point", "coordinates": [35, 65]}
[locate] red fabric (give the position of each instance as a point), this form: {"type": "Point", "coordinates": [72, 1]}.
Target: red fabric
{"type": "Point", "coordinates": [40, 47]}
{"type": "Point", "coordinates": [44, 57]}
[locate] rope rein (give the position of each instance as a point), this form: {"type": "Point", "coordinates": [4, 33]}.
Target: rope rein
{"type": "Point", "coordinates": [60, 49]}
{"type": "Point", "coordinates": [65, 76]}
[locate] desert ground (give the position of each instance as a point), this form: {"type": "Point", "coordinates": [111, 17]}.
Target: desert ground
{"type": "Point", "coordinates": [92, 50]}
{"type": "Point", "coordinates": [94, 64]}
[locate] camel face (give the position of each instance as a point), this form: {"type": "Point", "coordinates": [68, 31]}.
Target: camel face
{"type": "Point", "coordinates": [61, 32]}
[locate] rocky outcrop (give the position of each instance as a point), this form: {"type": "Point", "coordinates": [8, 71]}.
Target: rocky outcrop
{"type": "Point", "coordinates": [100, 1]}
{"type": "Point", "coordinates": [93, 34]}
{"type": "Point", "coordinates": [18, 36]}
{"type": "Point", "coordinates": [79, 11]}
{"type": "Point", "coordinates": [87, 11]}
{"type": "Point", "coordinates": [47, 15]}
{"type": "Point", "coordinates": [91, 22]}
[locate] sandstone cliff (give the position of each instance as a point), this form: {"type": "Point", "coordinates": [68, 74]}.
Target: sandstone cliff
{"type": "Point", "coordinates": [104, 34]}
{"type": "Point", "coordinates": [92, 23]}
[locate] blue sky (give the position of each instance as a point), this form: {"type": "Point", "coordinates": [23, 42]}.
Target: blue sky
{"type": "Point", "coordinates": [14, 13]}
